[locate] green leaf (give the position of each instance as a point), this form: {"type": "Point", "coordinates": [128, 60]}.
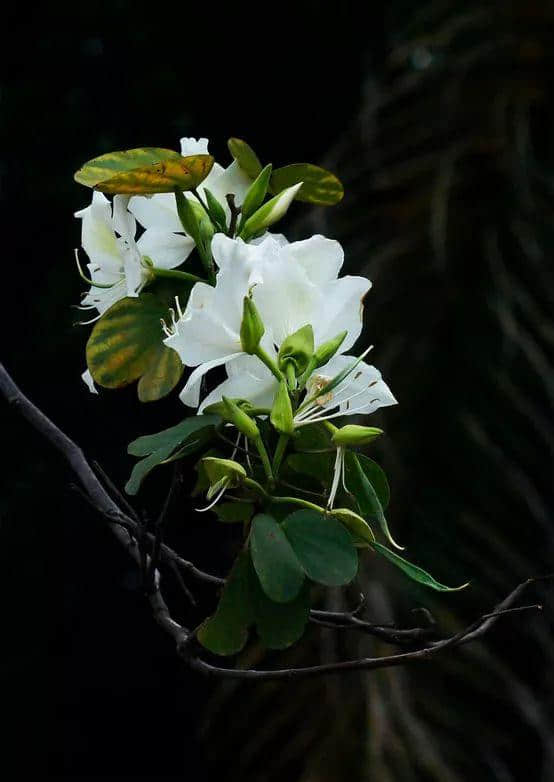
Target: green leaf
{"type": "Point", "coordinates": [197, 438]}
{"type": "Point", "coordinates": [320, 186]}
{"type": "Point", "coordinates": [226, 632]}
{"type": "Point", "coordinates": [232, 512]}
{"type": "Point", "coordinates": [312, 437]}
{"type": "Point", "coordinates": [316, 465]}
{"type": "Point", "coordinates": [361, 487]}
{"type": "Point", "coordinates": [323, 546]}
{"type": "Point", "coordinates": [126, 344]}
{"type": "Point", "coordinates": [375, 475]}
{"type": "Point", "coordinates": [174, 436]}
{"type": "Point", "coordinates": [144, 171]}
{"type": "Point", "coordinates": [278, 569]}
{"type": "Point", "coordinates": [413, 571]}
{"type": "Point", "coordinates": [280, 625]}
{"type": "Point", "coordinates": [245, 157]}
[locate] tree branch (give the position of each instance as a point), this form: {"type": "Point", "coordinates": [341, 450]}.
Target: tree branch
{"type": "Point", "coordinates": [126, 528]}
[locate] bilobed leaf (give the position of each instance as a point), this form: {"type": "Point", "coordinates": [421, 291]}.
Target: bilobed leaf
{"type": "Point", "coordinates": [316, 465]}
{"type": "Point", "coordinates": [323, 547]}
{"type": "Point", "coordinates": [144, 171]}
{"type": "Point", "coordinates": [174, 436]}
{"type": "Point", "coordinates": [189, 436]}
{"type": "Point", "coordinates": [280, 625]}
{"type": "Point", "coordinates": [361, 487]}
{"type": "Point", "coordinates": [226, 632]}
{"type": "Point", "coordinates": [245, 157]}
{"type": "Point", "coordinates": [413, 571]}
{"type": "Point", "coordinates": [320, 186]}
{"type": "Point", "coordinates": [126, 344]}
{"type": "Point", "coordinates": [276, 564]}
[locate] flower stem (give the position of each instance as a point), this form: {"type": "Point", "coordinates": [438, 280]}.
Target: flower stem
{"type": "Point", "coordinates": [280, 452]}
{"type": "Point", "coordinates": [259, 443]}
{"type": "Point", "coordinates": [269, 362]}
{"type": "Point", "coordinates": [173, 274]}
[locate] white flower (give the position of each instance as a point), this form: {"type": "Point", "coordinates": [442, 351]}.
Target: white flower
{"type": "Point", "coordinates": [292, 285]}
{"type": "Point", "coordinates": [115, 258]}
{"type": "Point", "coordinates": [160, 211]}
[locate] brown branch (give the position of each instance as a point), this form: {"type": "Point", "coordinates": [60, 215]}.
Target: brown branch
{"type": "Point", "coordinates": [127, 530]}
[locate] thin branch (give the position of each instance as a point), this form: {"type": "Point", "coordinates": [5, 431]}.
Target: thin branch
{"type": "Point", "coordinates": [127, 530]}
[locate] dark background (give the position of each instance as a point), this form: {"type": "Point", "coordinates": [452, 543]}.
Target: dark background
{"type": "Point", "coordinates": [438, 120]}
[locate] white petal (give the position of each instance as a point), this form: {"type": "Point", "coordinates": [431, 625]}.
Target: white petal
{"type": "Point", "coordinates": [123, 221]}
{"type": "Point", "coordinates": [322, 258]}
{"type": "Point", "coordinates": [343, 309]}
{"type": "Point", "coordinates": [89, 382]}
{"type": "Point", "coordinates": [157, 211]}
{"type": "Point", "coordinates": [165, 249]}
{"type": "Point", "coordinates": [98, 237]}
{"type": "Point", "coordinates": [201, 336]}
{"type": "Point", "coordinates": [192, 146]}
{"type": "Point", "coordinates": [363, 391]}
{"type": "Point", "coordinates": [135, 274]}
{"type": "Point", "coordinates": [231, 180]}
{"type": "Point", "coordinates": [248, 379]}
{"type": "Point", "coordinates": [190, 395]}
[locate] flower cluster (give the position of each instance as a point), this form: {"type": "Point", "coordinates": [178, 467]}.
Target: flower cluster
{"type": "Point", "coordinates": [187, 242]}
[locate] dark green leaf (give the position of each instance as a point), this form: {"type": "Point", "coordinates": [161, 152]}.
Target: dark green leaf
{"type": "Point", "coordinates": [174, 436]}
{"type": "Point", "coordinates": [361, 487]}
{"type": "Point", "coordinates": [279, 625]}
{"type": "Point", "coordinates": [245, 157]}
{"type": "Point", "coordinates": [317, 465]}
{"type": "Point", "coordinates": [323, 547]}
{"type": "Point", "coordinates": [231, 512]}
{"type": "Point", "coordinates": [320, 186]}
{"type": "Point", "coordinates": [415, 572]}
{"type": "Point", "coordinates": [226, 632]}
{"type": "Point", "coordinates": [278, 569]}
{"type": "Point", "coordinates": [313, 437]}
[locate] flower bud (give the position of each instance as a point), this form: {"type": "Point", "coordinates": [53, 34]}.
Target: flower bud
{"type": "Point", "coordinates": [240, 419]}
{"type": "Point", "coordinates": [326, 351]}
{"type": "Point", "coordinates": [352, 434]}
{"type": "Point", "coordinates": [297, 348]}
{"type": "Point", "coordinates": [281, 412]}
{"type": "Point", "coordinates": [188, 216]}
{"type": "Point", "coordinates": [254, 198]}
{"type": "Point", "coordinates": [269, 213]}
{"type": "Point", "coordinates": [217, 212]}
{"type": "Point", "coordinates": [362, 532]}
{"type": "Point", "coordinates": [222, 473]}
{"type": "Point", "coordinates": [251, 328]}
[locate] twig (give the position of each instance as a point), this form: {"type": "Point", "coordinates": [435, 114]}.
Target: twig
{"type": "Point", "coordinates": [127, 531]}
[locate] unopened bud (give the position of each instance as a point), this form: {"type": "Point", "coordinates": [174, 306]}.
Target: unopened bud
{"type": "Point", "coordinates": [360, 529]}
{"type": "Point", "coordinates": [270, 212]}
{"type": "Point", "coordinates": [297, 348]}
{"type": "Point", "coordinates": [240, 419]}
{"type": "Point", "coordinates": [352, 434]}
{"type": "Point", "coordinates": [327, 350]}
{"type": "Point", "coordinates": [251, 328]}
{"type": "Point", "coordinates": [254, 198]}
{"type": "Point", "coordinates": [222, 473]}
{"type": "Point", "coordinates": [281, 413]}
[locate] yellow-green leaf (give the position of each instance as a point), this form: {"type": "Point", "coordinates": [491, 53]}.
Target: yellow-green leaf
{"type": "Point", "coordinates": [320, 186]}
{"type": "Point", "coordinates": [245, 157]}
{"type": "Point", "coordinates": [144, 171]}
{"type": "Point", "coordinates": [126, 344]}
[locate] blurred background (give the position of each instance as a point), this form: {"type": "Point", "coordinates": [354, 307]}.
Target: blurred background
{"type": "Point", "coordinates": [438, 119]}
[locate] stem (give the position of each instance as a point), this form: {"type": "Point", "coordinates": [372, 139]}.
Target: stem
{"type": "Point", "coordinates": [259, 443]}
{"type": "Point", "coordinates": [173, 274]}
{"type": "Point", "coordinates": [280, 452]}
{"type": "Point", "coordinates": [235, 212]}
{"type": "Point", "coordinates": [198, 197]}
{"type": "Point", "coordinates": [298, 501]}
{"type": "Point", "coordinates": [269, 362]}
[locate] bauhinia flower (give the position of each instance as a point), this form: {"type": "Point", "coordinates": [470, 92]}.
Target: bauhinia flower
{"type": "Point", "coordinates": [292, 285]}
{"type": "Point", "coordinates": [117, 265]}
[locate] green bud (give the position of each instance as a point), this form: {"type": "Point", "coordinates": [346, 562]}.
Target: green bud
{"type": "Point", "coordinates": [217, 212]}
{"type": "Point", "coordinates": [363, 534]}
{"type": "Point", "coordinates": [254, 198]}
{"type": "Point", "coordinates": [251, 328]}
{"type": "Point", "coordinates": [222, 473]}
{"type": "Point", "coordinates": [188, 215]}
{"type": "Point", "coordinates": [326, 351]}
{"type": "Point", "coordinates": [352, 434]}
{"type": "Point", "coordinates": [269, 213]}
{"type": "Point", "coordinates": [297, 348]}
{"type": "Point", "coordinates": [240, 419]}
{"type": "Point", "coordinates": [281, 412]}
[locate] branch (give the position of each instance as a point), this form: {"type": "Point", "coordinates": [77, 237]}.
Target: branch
{"type": "Point", "coordinates": [126, 528]}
